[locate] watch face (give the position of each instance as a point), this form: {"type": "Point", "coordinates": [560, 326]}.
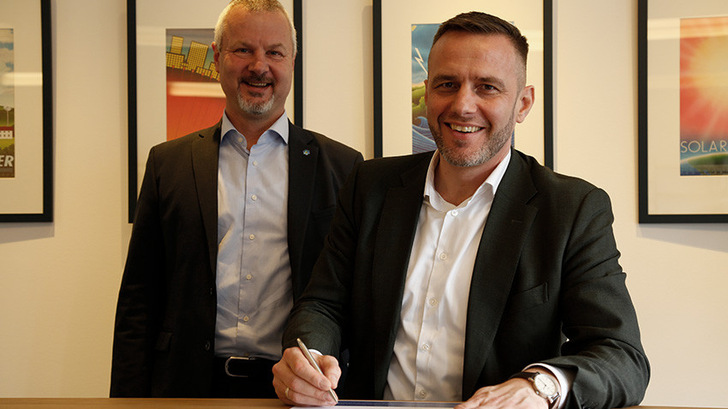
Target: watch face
{"type": "Point", "coordinates": [545, 385]}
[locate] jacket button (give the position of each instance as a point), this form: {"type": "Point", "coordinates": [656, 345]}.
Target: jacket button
{"type": "Point", "coordinates": [208, 345]}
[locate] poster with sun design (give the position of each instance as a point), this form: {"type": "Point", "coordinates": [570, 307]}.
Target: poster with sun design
{"type": "Point", "coordinates": [704, 96]}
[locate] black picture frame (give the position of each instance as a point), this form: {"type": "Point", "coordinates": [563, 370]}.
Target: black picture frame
{"type": "Point", "coordinates": [664, 195]}
{"type": "Point", "coordinates": [548, 94]}
{"type": "Point", "coordinates": [44, 183]}
{"type": "Point", "coordinates": [133, 119]}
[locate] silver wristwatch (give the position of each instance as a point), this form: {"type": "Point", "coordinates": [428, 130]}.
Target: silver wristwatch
{"type": "Point", "coordinates": [544, 386]}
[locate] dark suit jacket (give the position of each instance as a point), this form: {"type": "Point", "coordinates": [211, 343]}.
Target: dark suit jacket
{"type": "Point", "coordinates": [546, 267]}
{"type": "Point", "coordinates": [165, 320]}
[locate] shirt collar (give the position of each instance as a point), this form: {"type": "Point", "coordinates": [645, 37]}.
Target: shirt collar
{"type": "Point", "coordinates": [279, 127]}
{"type": "Point", "coordinates": [493, 180]}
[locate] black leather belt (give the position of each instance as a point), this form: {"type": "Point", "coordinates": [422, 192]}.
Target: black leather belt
{"type": "Point", "coordinates": [246, 367]}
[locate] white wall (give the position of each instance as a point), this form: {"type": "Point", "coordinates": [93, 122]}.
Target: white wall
{"type": "Point", "coordinates": [58, 281]}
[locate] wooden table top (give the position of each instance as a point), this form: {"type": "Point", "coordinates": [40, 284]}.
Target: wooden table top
{"type": "Point", "coordinates": [159, 403]}
{"type": "Point", "coordinates": [138, 403]}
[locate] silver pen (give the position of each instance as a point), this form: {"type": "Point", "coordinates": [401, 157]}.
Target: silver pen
{"type": "Point", "coordinates": [314, 364]}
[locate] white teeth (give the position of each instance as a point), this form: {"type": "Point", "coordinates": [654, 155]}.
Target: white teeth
{"type": "Point", "coordinates": [259, 84]}
{"type": "Point", "coordinates": [466, 129]}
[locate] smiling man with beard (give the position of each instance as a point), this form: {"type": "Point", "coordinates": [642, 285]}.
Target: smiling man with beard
{"type": "Point", "coordinates": [228, 225]}
{"type": "Point", "coordinates": [472, 274]}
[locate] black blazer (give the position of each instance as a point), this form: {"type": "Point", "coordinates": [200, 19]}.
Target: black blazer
{"type": "Point", "coordinates": [165, 319]}
{"type": "Point", "coordinates": [547, 267]}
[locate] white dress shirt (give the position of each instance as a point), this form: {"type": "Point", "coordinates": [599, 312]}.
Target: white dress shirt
{"type": "Point", "coordinates": [429, 350]}
{"type": "Point", "coordinates": [428, 354]}
{"type": "Point", "coordinates": [254, 288]}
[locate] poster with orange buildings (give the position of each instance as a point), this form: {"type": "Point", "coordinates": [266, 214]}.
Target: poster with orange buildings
{"type": "Point", "coordinates": [194, 98]}
{"type": "Point", "coordinates": [704, 96]}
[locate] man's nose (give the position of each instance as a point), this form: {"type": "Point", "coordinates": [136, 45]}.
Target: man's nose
{"type": "Point", "coordinates": [258, 65]}
{"type": "Point", "coordinates": [464, 102]}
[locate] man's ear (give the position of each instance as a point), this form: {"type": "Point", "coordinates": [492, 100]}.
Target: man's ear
{"type": "Point", "coordinates": [525, 103]}
{"type": "Point", "coordinates": [216, 55]}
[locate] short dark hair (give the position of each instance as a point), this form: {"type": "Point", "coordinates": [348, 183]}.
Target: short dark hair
{"type": "Point", "coordinates": [482, 23]}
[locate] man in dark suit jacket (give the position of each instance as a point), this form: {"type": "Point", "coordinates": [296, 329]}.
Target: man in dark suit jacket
{"type": "Point", "coordinates": [169, 302]}
{"type": "Point", "coordinates": [529, 309]}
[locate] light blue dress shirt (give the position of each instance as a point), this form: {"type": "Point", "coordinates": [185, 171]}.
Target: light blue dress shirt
{"type": "Point", "coordinates": [254, 288]}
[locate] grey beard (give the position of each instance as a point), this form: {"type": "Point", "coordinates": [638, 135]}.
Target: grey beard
{"type": "Point", "coordinates": [255, 108]}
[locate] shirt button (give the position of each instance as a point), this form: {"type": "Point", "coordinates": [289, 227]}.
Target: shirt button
{"type": "Point", "coordinates": [454, 212]}
{"type": "Point", "coordinates": [425, 347]}
{"type": "Point", "coordinates": [255, 163]}
{"type": "Point", "coordinates": [254, 197]}
{"type": "Point", "coordinates": [249, 277]}
{"type": "Point", "coordinates": [246, 318]}
{"type": "Point", "coordinates": [252, 237]}
{"type": "Point", "coordinates": [422, 394]}
{"type": "Point", "coordinates": [433, 302]}
{"type": "Point", "coordinates": [443, 256]}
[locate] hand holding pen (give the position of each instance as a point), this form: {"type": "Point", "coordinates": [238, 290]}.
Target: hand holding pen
{"type": "Point", "coordinates": [299, 380]}
{"type": "Point", "coordinates": [315, 365]}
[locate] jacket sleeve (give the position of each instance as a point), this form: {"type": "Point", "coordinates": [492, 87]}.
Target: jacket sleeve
{"type": "Point", "coordinates": [603, 348]}
{"type": "Point", "coordinates": [319, 316]}
{"type": "Point", "coordinates": [137, 313]}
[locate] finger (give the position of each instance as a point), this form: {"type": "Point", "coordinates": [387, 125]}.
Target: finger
{"type": "Point", "coordinates": [305, 385]}
{"type": "Point", "coordinates": [331, 369]}
{"type": "Point", "coordinates": [295, 398]}
{"type": "Point", "coordinates": [468, 404]}
{"type": "Point", "coordinates": [281, 375]}
{"type": "Point", "coordinates": [301, 366]}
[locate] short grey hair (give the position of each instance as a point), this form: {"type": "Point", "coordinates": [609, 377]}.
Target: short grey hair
{"type": "Point", "coordinates": [254, 5]}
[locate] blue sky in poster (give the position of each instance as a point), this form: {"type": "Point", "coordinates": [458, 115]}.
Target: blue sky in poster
{"type": "Point", "coordinates": [422, 35]}
{"type": "Point", "coordinates": [200, 35]}
{"type": "Point", "coordinates": [7, 65]}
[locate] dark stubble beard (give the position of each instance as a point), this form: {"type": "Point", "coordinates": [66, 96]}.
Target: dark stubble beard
{"type": "Point", "coordinates": [493, 144]}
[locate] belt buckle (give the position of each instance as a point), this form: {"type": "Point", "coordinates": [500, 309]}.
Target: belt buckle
{"type": "Point", "coordinates": [236, 358]}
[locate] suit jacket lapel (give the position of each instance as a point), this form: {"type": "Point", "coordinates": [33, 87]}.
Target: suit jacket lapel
{"type": "Point", "coordinates": [204, 165]}
{"type": "Point", "coordinates": [395, 234]}
{"type": "Point", "coordinates": [302, 157]}
{"type": "Point", "coordinates": [495, 265]}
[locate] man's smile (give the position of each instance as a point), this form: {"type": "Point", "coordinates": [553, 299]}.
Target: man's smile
{"type": "Point", "coordinates": [257, 83]}
{"type": "Point", "coordinates": [464, 128]}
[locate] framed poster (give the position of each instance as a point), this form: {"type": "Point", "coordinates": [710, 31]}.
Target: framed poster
{"type": "Point", "coordinates": [173, 84]}
{"type": "Point", "coordinates": [26, 112]}
{"type": "Point", "coordinates": [683, 111]}
{"type": "Point", "coordinates": [400, 67]}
